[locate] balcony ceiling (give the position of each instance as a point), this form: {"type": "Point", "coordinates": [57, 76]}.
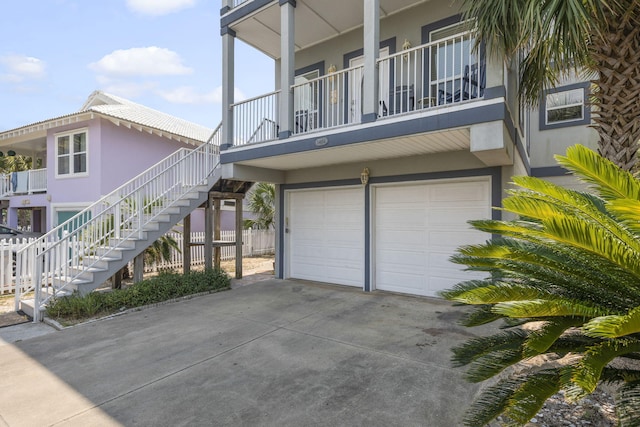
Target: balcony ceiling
{"type": "Point", "coordinates": [414, 145]}
{"type": "Point", "coordinates": [316, 21]}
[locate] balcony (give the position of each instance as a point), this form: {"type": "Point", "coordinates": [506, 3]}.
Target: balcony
{"type": "Point", "coordinates": [439, 74]}
{"type": "Point", "coordinates": [24, 182]}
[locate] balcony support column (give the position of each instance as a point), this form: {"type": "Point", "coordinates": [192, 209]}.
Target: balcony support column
{"type": "Point", "coordinates": [228, 86]}
{"type": "Point", "coordinates": [287, 66]}
{"type": "Point", "coordinates": [371, 45]}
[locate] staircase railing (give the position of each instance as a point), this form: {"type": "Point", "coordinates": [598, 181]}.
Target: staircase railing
{"type": "Point", "coordinates": [68, 252]}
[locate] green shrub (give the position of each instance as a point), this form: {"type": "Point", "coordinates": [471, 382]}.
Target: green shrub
{"type": "Point", "coordinates": [163, 287]}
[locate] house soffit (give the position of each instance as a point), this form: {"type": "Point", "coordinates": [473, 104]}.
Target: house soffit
{"type": "Point", "coordinates": [406, 146]}
{"type": "Point", "coordinates": [316, 21]}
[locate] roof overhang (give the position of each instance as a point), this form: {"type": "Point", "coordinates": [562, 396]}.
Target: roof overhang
{"type": "Point", "coordinates": [316, 21]}
{"type": "Point", "coordinates": [32, 138]}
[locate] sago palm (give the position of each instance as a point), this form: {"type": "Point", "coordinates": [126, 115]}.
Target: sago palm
{"type": "Point", "coordinates": [565, 277]}
{"type": "Point", "coordinates": [562, 36]}
{"type": "Point", "coordinates": [262, 204]}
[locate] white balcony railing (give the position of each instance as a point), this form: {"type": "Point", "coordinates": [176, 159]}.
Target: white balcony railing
{"type": "Point", "coordinates": [443, 72]}
{"type": "Point", "coordinates": [256, 119]}
{"type": "Point", "coordinates": [328, 101]}
{"type": "Point", "coordinates": [23, 182]}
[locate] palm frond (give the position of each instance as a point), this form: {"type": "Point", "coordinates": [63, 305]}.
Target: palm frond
{"type": "Point", "coordinates": [495, 293]}
{"type": "Point", "coordinates": [547, 308]}
{"type": "Point", "coordinates": [586, 374]}
{"type": "Point", "coordinates": [492, 402]}
{"type": "Point", "coordinates": [614, 326]}
{"type": "Point", "coordinates": [628, 404]}
{"type": "Point", "coordinates": [481, 316]}
{"type": "Point", "coordinates": [482, 346]}
{"type": "Point", "coordinates": [543, 338]}
{"type": "Point", "coordinates": [489, 365]}
{"type": "Point", "coordinates": [529, 398]}
{"type": "Point", "coordinates": [606, 177]}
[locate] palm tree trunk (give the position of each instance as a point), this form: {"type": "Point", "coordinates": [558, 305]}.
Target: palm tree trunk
{"type": "Point", "coordinates": [617, 89]}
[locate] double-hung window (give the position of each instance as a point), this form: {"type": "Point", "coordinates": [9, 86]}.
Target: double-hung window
{"type": "Point", "coordinates": [564, 106]}
{"type": "Point", "coordinates": [71, 153]}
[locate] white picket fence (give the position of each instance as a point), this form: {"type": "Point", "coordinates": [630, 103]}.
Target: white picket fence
{"type": "Point", "coordinates": [7, 266]}
{"type": "Point", "coordinates": [255, 242]}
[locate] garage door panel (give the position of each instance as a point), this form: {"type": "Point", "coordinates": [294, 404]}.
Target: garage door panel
{"type": "Point", "coordinates": [401, 239]}
{"type": "Point", "coordinates": [326, 238]}
{"type": "Point", "coordinates": [398, 260]}
{"type": "Point", "coordinates": [415, 240]}
{"type": "Point", "coordinates": [451, 239]}
{"type": "Point", "coordinates": [454, 216]}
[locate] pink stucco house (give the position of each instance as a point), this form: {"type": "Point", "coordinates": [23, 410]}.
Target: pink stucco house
{"type": "Point", "coordinates": [84, 155]}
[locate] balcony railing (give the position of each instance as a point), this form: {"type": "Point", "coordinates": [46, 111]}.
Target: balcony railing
{"type": "Point", "coordinates": [442, 72]}
{"type": "Point", "coordinates": [237, 3]}
{"type": "Point", "coordinates": [256, 119]}
{"type": "Point", "coordinates": [328, 101]}
{"type": "Point", "coordinates": [23, 182]}
{"type": "Point", "coordinates": [435, 74]}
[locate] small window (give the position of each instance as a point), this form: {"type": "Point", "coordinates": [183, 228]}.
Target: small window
{"type": "Point", "coordinates": [564, 107]}
{"type": "Point", "coordinates": [71, 153]}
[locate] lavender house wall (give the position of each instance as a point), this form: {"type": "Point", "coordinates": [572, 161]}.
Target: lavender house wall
{"type": "Point", "coordinates": [115, 155]}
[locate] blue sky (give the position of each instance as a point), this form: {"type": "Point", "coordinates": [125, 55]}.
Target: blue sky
{"type": "Point", "coordinates": [165, 54]}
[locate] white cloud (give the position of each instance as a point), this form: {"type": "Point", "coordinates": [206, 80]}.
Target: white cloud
{"type": "Point", "coordinates": [159, 7]}
{"type": "Point", "coordinates": [191, 95]}
{"type": "Point", "coordinates": [129, 90]}
{"type": "Point", "coordinates": [141, 61]}
{"type": "Point", "coordinates": [18, 68]}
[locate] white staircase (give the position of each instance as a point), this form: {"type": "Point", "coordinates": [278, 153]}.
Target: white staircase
{"type": "Point", "coordinates": [83, 252]}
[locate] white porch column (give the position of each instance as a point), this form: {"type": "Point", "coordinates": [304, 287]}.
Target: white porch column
{"type": "Point", "coordinates": [228, 86]}
{"type": "Point", "coordinates": [287, 66]}
{"type": "Point", "coordinates": [371, 45]}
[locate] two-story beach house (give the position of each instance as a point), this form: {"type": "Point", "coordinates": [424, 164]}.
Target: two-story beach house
{"type": "Point", "coordinates": [385, 134]}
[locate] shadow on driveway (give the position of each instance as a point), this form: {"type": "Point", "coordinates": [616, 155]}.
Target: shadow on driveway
{"type": "Point", "coordinates": [277, 353]}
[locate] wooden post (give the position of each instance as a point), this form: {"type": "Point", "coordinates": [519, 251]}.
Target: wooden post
{"type": "Point", "coordinates": [138, 268]}
{"type": "Point", "coordinates": [238, 238]}
{"type": "Point", "coordinates": [208, 236]}
{"type": "Point", "coordinates": [216, 233]}
{"type": "Point", "coordinates": [117, 280]}
{"type": "Point", "coordinates": [186, 244]}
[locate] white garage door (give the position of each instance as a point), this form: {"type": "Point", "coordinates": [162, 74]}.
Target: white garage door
{"type": "Point", "coordinates": [325, 233]}
{"type": "Point", "coordinates": [418, 227]}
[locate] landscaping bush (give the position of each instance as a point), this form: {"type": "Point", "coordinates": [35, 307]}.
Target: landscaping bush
{"type": "Point", "coordinates": [565, 278]}
{"type": "Point", "coordinates": [163, 287]}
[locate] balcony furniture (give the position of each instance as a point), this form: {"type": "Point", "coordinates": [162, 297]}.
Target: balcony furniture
{"type": "Point", "coordinates": [473, 83]}
{"type": "Point", "coordinates": [401, 99]}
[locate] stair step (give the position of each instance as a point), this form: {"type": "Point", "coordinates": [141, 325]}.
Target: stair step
{"type": "Point", "coordinates": [28, 307]}
{"type": "Point", "coordinates": [124, 243]}
{"type": "Point", "coordinates": [115, 253]}
{"type": "Point", "coordinates": [102, 262]}
{"type": "Point", "coordinates": [68, 283]}
{"type": "Point", "coordinates": [151, 226]}
{"type": "Point", "coordinates": [163, 217]}
{"type": "Point", "coordinates": [85, 273]}
{"type": "Point", "coordinates": [171, 210]}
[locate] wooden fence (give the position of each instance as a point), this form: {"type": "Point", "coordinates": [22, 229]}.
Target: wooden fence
{"type": "Point", "coordinates": [255, 242]}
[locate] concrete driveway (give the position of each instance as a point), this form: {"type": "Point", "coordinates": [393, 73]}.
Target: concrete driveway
{"type": "Point", "coordinates": [276, 353]}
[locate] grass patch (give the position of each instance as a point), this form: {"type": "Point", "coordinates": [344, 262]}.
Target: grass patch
{"type": "Point", "coordinates": [165, 286]}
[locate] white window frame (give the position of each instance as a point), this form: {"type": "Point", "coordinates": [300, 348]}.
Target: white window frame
{"type": "Point", "coordinates": [71, 154]}
{"type": "Point", "coordinates": [585, 118]}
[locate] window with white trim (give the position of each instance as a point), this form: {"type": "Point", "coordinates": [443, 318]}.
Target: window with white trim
{"type": "Point", "coordinates": [71, 153]}
{"type": "Point", "coordinates": [565, 106]}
